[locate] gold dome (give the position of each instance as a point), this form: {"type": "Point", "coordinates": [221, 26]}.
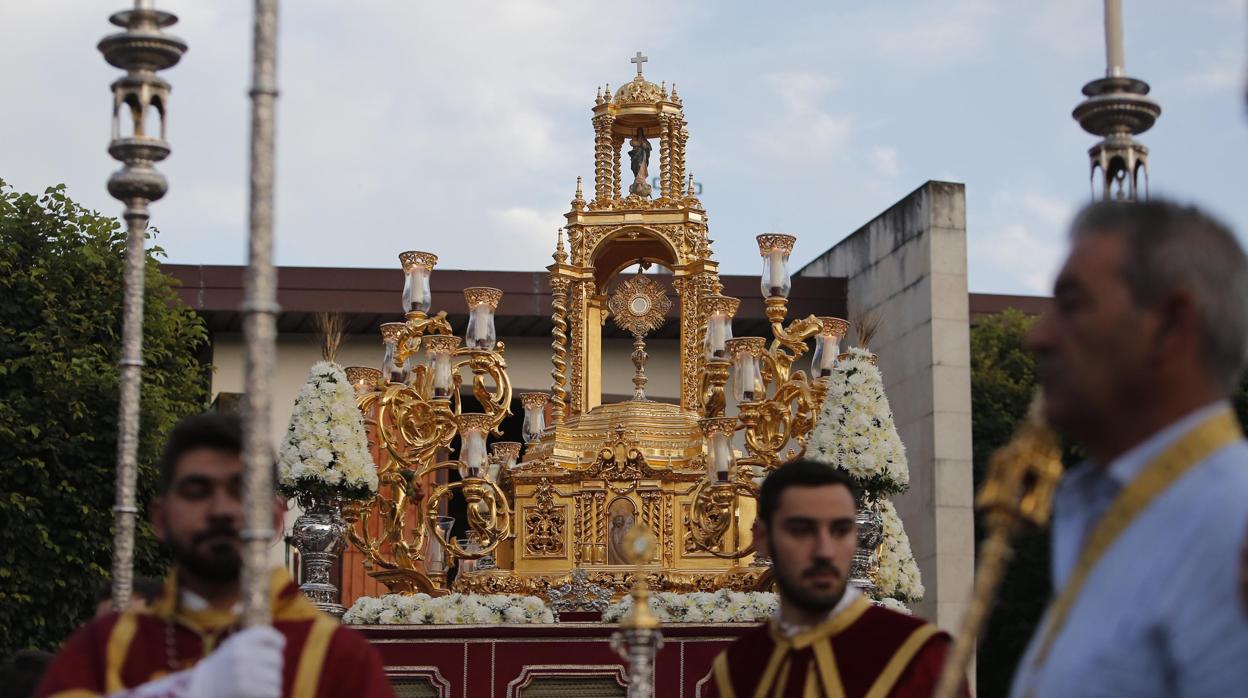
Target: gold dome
{"type": "Point", "coordinates": [639, 90]}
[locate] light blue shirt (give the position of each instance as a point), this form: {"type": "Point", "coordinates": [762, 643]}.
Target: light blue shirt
{"type": "Point", "coordinates": [1160, 614]}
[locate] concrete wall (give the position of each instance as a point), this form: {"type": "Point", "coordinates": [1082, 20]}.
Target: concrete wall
{"type": "Point", "coordinates": [909, 266]}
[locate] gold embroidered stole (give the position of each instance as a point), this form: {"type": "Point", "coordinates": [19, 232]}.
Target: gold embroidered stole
{"type": "Point", "coordinates": [822, 675]}
{"type": "Point", "coordinates": [1219, 430]}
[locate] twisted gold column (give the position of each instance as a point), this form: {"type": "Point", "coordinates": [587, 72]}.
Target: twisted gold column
{"type": "Point", "coordinates": [559, 347]}
{"type": "Point", "coordinates": [665, 163]}
{"type": "Point", "coordinates": [616, 146]}
{"type": "Point", "coordinates": [602, 159]}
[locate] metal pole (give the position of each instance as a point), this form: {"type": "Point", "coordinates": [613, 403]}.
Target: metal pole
{"type": "Point", "coordinates": [125, 508]}
{"type": "Point", "coordinates": [141, 50]}
{"type": "Point", "coordinates": [259, 325]}
{"type": "Point", "coordinates": [1114, 64]}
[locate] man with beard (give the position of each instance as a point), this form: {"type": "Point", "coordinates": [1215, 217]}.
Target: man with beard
{"type": "Point", "coordinates": [188, 643]}
{"type": "Point", "coordinates": [827, 639]}
{"type": "Point", "coordinates": [1145, 343]}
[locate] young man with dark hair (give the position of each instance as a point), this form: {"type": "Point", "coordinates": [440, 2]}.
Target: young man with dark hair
{"type": "Point", "coordinates": [188, 643]}
{"type": "Point", "coordinates": [1138, 358]}
{"type": "Point", "coordinates": [827, 639]}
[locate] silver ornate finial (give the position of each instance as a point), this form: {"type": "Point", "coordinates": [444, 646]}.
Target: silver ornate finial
{"type": "Point", "coordinates": [1117, 109]}
{"type": "Point", "coordinates": [638, 60]}
{"type": "Point", "coordinates": [141, 49]}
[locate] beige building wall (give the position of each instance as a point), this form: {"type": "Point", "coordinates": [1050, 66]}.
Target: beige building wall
{"type": "Point", "coordinates": [909, 266]}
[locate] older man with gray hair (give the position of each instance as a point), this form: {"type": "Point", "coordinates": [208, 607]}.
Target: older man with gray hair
{"type": "Point", "coordinates": [1146, 341]}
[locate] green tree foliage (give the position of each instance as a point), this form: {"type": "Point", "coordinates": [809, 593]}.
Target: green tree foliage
{"type": "Point", "coordinates": [1002, 385]}
{"type": "Point", "coordinates": [60, 330]}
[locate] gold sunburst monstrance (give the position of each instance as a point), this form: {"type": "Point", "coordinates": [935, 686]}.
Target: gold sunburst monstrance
{"type": "Point", "coordinates": [639, 306]}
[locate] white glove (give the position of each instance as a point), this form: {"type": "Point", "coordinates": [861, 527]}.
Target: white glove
{"type": "Point", "coordinates": [247, 665]}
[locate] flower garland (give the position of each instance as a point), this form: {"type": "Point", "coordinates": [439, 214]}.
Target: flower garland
{"type": "Point", "coordinates": [897, 573]}
{"type": "Point", "coordinates": [325, 451]}
{"type": "Point", "coordinates": [452, 609]}
{"type": "Point", "coordinates": [719, 607]}
{"type": "Point", "coordinates": [722, 606]}
{"type": "Point", "coordinates": [855, 430]}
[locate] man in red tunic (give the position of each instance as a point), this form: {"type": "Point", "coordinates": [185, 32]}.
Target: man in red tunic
{"type": "Point", "coordinates": [188, 644]}
{"type": "Point", "coordinates": [827, 638]}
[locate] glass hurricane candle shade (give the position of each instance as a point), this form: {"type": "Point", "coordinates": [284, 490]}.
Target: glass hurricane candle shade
{"type": "Point", "coordinates": [534, 415]}
{"type": "Point", "coordinates": [473, 460]}
{"type": "Point", "coordinates": [392, 370]}
{"type": "Point", "coordinates": [827, 349]}
{"type": "Point", "coordinates": [482, 302]}
{"type": "Point", "coordinates": [416, 293]}
{"type": "Point", "coordinates": [480, 334]}
{"type": "Point", "coordinates": [437, 554]}
{"type": "Point", "coordinates": [441, 362]}
{"type": "Point", "coordinates": [718, 331]}
{"type": "Point", "coordinates": [747, 383]}
{"type": "Point", "coordinates": [775, 281]}
{"type": "Point", "coordinates": [719, 460]}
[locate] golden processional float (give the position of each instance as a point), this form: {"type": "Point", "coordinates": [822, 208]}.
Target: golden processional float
{"type": "Point", "coordinates": [555, 511]}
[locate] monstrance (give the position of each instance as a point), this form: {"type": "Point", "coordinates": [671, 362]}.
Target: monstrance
{"type": "Point", "coordinates": [639, 306]}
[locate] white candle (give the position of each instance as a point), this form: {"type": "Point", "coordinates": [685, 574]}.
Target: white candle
{"type": "Point", "coordinates": [715, 330]}
{"type": "Point", "coordinates": [442, 375]}
{"type": "Point", "coordinates": [420, 289]}
{"type": "Point", "coordinates": [828, 358]}
{"type": "Point", "coordinates": [480, 325]}
{"type": "Point", "coordinates": [721, 460]}
{"type": "Point", "coordinates": [473, 453]}
{"type": "Point", "coordinates": [776, 279]}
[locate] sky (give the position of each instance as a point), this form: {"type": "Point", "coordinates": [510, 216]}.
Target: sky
{"type": "Point", "coordinates": [459, 128]}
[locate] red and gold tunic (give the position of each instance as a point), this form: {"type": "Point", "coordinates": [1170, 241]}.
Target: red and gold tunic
{"type": "Point", "coordinates": [120, 651]}
{"type": "Point", "coordinates": [864, 651]}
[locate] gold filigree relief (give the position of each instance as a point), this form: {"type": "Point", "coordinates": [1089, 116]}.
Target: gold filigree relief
{"type": "Point", "coordinates": [544, 524]}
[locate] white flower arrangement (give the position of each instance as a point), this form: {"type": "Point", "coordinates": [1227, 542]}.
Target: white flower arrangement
{"type": "Point", "coordinates": [452, 609]}
{"type": "Point", "coordinates": [855, 430]}
{"type": "Point", "coordinates": [722, 606]}
{"type": "Point", "coordinates": [325, 450]}
{"type": "Point", "coordinates": [897, 573]}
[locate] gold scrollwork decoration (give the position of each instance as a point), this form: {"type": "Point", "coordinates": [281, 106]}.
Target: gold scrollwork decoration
{"type": "Point", "coordinates": [544, 524]}
{"type": "Point", "coordinates": [711, 516]}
